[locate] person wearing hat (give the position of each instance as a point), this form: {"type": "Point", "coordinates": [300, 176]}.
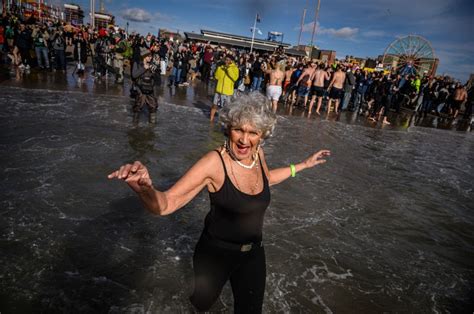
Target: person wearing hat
{"type": "Point", "coordinates": [144, 82]}
{"type": "Point", "coordinates": [119, 47]}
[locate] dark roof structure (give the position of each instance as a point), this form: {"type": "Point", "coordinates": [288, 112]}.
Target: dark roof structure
{"type": "Point", "coordinates": [241, 41]}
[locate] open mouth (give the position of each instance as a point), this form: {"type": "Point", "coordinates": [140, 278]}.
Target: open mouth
{"type": "Point", "coordinates": [242, 149]}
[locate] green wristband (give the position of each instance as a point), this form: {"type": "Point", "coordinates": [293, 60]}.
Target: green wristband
{"type": "Point", "coordinates": [293, 170]}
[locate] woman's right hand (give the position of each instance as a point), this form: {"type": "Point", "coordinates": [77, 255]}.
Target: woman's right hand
{"type": "Point", "coordinates": [136, 175]}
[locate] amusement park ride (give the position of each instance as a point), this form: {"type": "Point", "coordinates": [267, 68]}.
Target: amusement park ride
{"type": "Point", "coordinates": [410, 55]}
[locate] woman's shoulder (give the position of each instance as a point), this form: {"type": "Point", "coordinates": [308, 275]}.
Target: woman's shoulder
{"type": "Point", "coordinates": [211, 157]}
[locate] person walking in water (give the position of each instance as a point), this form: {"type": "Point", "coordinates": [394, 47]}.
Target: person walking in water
{"type": "Point", "coordinates": [304, 82]}
{"type": "Point", "coordinates": [143, 76]}
{"type": "Point", "coordinates": [274, 88]}
{"type": "Point", "coordinates": [335, 88]}
{"type": "Point", "coordinates": [317, 90]}
{"type": "Point", "coordinates": [238, 180]}
{"type": "Point", "coordinates": [459, 98]}
{"type": "Point", "coordinates": [226, 75]}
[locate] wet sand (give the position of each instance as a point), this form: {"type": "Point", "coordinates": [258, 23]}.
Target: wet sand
{"type": "Point", "coordinates": [384, 226]}
{"type": "Point", "coordinates": [199, 95]}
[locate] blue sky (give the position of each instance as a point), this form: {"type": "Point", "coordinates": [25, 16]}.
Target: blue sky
{"type": "Point", "coordinates": [361, 28]}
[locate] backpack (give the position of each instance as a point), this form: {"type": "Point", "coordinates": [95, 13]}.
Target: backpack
{"type": "Point", "coordinates": [146, 82]}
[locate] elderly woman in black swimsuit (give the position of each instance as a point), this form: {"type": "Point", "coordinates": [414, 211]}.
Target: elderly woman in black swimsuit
{"type": "Point", "coordinates": [238, 179]}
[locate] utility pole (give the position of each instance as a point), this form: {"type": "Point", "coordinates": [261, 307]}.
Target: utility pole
{"type": "Point", "coordinates": [316, 14]}
{"type": "Point", "coordinates": [302, 22]}
{"type": "Point", "coordinates": [253, 32]}
{"type": "Point", "coordinates": [92, 9]}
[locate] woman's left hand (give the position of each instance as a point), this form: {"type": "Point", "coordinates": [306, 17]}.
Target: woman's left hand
{"type": "Point", "coordinates": [317, 158]}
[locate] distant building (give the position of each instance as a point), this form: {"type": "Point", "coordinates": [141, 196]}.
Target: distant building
{"type": "Point", "coordinates": [38, 10]}
{"type": "Point", "coordinates": [73, 14]}
{"type": "Point", "coordinates": [103, 20]}
{"type": "Point", "coordinates": [170, 35]}
{"type": "Point", "coordinates": [328, 56]}
{"type": "Point", "coordinates": [241, 42]}
{"type": "Point", "coordinates": [307, 49]}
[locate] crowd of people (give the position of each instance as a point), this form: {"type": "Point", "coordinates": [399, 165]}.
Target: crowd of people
{"type": "Point", "coordinates": [313, 85]}
{"type": "Point", "coordinates": [236, 174]}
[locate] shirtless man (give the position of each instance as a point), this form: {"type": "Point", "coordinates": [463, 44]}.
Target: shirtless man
{"type": "Point", "coordinates": [304, 82]}
{"type": "Point", "coordinates": [335, 88]}
{"type": "Point", "coordinates": [459, 97]}
{"type": "Point", "coordinates": [274, 85]}
{"type": "Point", "coordinates": [317, 90]}
{"type": "Point", "coordinates": [288, 74]}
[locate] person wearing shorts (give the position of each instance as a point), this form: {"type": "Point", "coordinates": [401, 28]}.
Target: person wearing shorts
{"type": "Point", "coordinates": [317, 90]}
{"type": "Point", "coordinates": [305, 81]}
{"type": "Point", "coordinates": [335, 88]}
{"type": "Point", "coordinates": [287, 83]}
{"type": "Point", "coordinates": [221, 100]}
{"type": "Point", "coordinates": [274, 89]}
{"type": "Point", "coordinates": [458, 98]}
{"type": "Point", "coordinates": [303, 90]}
{"type": "Point", "coordinates": [336, 93]}
{"type": "Point", "coordinates": [226, 75]}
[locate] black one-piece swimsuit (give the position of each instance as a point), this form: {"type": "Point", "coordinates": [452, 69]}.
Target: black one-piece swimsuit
{"type": "Point", "coordinates": [235, 219]}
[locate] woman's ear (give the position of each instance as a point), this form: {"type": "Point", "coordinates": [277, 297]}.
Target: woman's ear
{"type": "Point", "coordinates": [227, 132]}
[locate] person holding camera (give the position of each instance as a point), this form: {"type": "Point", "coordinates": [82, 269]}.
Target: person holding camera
{"type": "Point", "coordinates": [59, 47]}
{"type": "Point", "coordinates": [40, 40]}
{"type": "Point", "coordinates": [143, 76]}
{"type": "Point", "coordinates": [226, 75]}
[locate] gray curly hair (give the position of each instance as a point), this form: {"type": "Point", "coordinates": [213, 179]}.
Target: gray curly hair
{"type": "Point", "coordinates": [253, 108]}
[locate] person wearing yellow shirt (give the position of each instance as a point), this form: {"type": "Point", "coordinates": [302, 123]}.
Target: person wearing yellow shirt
{"type": "Point", "coordinates": [416, 83]}
{"type": "Point", "coordinates": [226, 75]}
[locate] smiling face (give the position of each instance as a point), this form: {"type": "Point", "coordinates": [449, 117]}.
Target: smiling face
{"type": "Point", "coordinates": [244, 140]}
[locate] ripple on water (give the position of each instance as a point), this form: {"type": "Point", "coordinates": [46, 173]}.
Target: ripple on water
{"type": "Point", "coordinates": [386, 223]}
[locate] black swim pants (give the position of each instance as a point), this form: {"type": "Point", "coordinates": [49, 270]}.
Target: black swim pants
{"type": "Point", "coordinates": [214, 265]}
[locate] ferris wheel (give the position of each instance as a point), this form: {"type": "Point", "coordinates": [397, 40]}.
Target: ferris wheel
{"type": "Point", "coordinates": [411, 54]}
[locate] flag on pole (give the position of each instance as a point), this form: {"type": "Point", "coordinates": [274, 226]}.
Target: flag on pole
{"type": "Point", "coordinates": [257, 30]}
{"type": "Point", "coordinates": [258, 18]}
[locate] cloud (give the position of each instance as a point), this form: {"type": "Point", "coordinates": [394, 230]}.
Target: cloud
{"type": "Point", "coordinates": [375, 33]}
{"type": "Point", "coordinates": [136, 15]}
{"type": "Point", "coordinates": [307, 27]}
{"type": "Point", "coordinates": [343, 32]}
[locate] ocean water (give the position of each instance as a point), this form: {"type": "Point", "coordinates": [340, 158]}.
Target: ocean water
{"type": "Point", "coordinates": [386, 225]}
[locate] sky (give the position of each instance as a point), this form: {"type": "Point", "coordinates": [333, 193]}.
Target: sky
{"type": "Point", "coordinates": [363, 28]}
